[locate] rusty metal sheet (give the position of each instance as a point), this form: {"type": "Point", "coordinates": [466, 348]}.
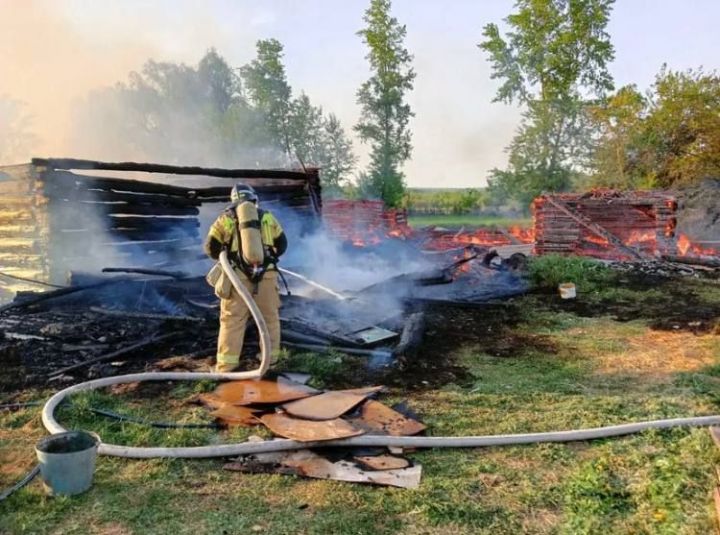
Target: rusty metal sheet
{"type": "Point", "coordinates": [381, 419]}
{"type": "Point", "coordinates": [248, 391]}
{"type": "Point", "coordinates": [364, 391]}
{"type": "Point", "coordinates": [325, 406]}
{"type": "Point", "coordinates": [211, 400]}
{"type": "Point", "coordinates": [382, 462]}
{"type": "Point", "coordinates": [309, 464]}
{"type": "Point", "coordinates": [307, 430]}
{"type": "Point", "coordinates": [236, 416]}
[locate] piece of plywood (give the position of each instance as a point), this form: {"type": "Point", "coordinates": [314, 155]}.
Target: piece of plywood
{"type": "Point", "coordinates": [382, 462]}
{"type": "Point", "coordinates": [381, 419]}
{"type": "Point", "coordinates": [307, 430]}
{"type": "Point", "coordinates": [233, 415]}
{"type": "Point", "coordinates": [325, 406]}
{"type": "Point", "coordinates": [309, 464]}
{"type": "Point", "coordinates": [249, 391]}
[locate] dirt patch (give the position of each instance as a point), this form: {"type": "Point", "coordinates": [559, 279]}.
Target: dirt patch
{"type": "Point", "coordinates": [670, 304]}
{"type": "Point", "coordinates": [658, 356]}
{"type": "Point", "coordinates": [450, 329]}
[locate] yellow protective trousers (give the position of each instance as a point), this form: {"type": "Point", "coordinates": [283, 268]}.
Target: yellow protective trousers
{"type": "Point", "coordinates": [234, 315]}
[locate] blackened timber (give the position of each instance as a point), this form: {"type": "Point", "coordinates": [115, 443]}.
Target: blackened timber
{"type": "Point", "coordinates": [693, 260]}
{"type": "Point", "coordinates": [411, 336]}
{"type": "Point", "coordinates": [99, 196]}
{"type": "Point", "coordinates": [131, 209]}
{"type": "Point", "coordinates": [157, 223]}
{"type": "Point", "coordinates": [71, 180]}
{"type": "Point", "coordinates": [70, 164]}
{"type": "Point", "coordinates": [143, 271]}
{"type": "Point", "coordinates": [122, 351]}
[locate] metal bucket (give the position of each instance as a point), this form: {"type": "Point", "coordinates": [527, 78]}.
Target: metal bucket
{"type": "Point", "coordinates": [67, 461]}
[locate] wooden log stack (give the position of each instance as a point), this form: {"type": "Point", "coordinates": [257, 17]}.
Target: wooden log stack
{"type": "Point", "coordinates": [605, 224]}
{"type": "Point", "coordinates": [57, 215]}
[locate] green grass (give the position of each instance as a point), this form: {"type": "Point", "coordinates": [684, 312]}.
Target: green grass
{"type": "Point", "coordinates": [465, 220]}
{"type": "Point", "coordinates": [589, 371]}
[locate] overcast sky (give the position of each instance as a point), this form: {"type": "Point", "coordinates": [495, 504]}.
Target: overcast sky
{"type": "Point", "coordinates": [53, 51]}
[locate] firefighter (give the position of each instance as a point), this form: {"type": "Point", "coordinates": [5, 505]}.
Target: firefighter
{"type": "Point", "coordinates": [254, 241]}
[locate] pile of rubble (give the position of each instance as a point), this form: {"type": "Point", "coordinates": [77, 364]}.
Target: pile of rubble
{"type": "Point", "coordinates": [290, 409]}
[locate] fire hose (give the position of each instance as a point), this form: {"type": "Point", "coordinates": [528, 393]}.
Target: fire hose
{"type": "Point", "coordinates": [247, 448]}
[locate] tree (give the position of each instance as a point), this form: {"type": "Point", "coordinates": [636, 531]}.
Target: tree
{"type": "Point", "coordinates": [552, 61]}
{"type": "Point", "coordinates": [668, 137]}
{"type": "Point", "coordinates": [269, 91]}
{"type": "Point", "coordinates": [16, 137]}
{"type": "Point", "coordinates": [338, 157]}
{"type": "Point", "coordinates": [384, 112]}
{"type": "Point", "coordinates": [305, 131]}
{"type": "Point", "coordinates": [618, 122]}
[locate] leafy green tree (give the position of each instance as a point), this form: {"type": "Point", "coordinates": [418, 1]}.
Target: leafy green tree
{"type": "Point", "coordinates": [385, 113]}
{"type": "Point", "coordinates": [552, 60]}
{"type": "Point", "coordinates": [268, 90]}
{"type": "Point", "coordinates": [298, 127]}
{"type": "Point", "coordinates": [671, 136]}
{"type": "Point", "coordinates": [305, 131]}
{"type": "Point", "coordinates": [618, 122]}
{"type": "Point", "coordinates": [338, 157]}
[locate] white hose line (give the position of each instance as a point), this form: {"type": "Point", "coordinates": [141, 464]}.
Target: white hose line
{"type": "Point", "coordinates": [246, 448]}
{"type": "Point", "coordinates": [48, 412]}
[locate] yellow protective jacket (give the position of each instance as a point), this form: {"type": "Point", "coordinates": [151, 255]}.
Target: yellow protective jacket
{"type": "Point", "coordinates": [223, 233]}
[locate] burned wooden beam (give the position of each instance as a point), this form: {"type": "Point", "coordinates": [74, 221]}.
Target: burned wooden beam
{"type": "Point", "coordinates": [121, 208]}
{"type": "Point", "coordinates": [693, 260]}
{"type": "Point", "coordinates": [411, 336]}
{"type": "Point", "coordinates": [79, 194]}
{"type": "Point", "coordinates": [114, 354]}
{"type": "Point", "coordinates": [71, 163]}
{"type": "Point", "coordinates": [142, 271]}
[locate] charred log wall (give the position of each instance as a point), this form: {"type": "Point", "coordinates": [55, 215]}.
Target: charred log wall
{"type": "Point", "coordinates": [55, 217]}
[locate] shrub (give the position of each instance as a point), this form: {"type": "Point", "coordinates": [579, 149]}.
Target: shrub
{"type": "Point", "coordinates": [550, 270]}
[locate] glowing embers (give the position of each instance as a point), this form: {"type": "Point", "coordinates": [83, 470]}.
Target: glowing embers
{"type": "Point", "coordinates": [264, 392]}
{"type": "Point", "coordinates": [309, 431]}
{"type": "Point", "coordinates": [687, 248]}
{"type": "Point", "coordinates": [376, 418]}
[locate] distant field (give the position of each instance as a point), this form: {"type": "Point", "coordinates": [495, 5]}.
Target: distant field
{"type": "Point", "coordinates": [466, 221]}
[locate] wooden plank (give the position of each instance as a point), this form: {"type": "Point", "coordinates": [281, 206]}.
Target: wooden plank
{"type": "Point", "coordinates": [17, 216]}
{"type": "Point", "coordinates": [152, 223]}
{"type": "Point", "coordinates": [96, 195]}
{"type": "Point", "coordinates": [65, 179]}
{"type": "Point", "coordinates": [69, 163]}
{"type": "Point", "coordinates": [124, 208]}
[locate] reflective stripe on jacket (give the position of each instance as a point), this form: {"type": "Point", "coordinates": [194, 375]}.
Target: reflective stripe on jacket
{"type": "Point", "coordinates": [223, 230]}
